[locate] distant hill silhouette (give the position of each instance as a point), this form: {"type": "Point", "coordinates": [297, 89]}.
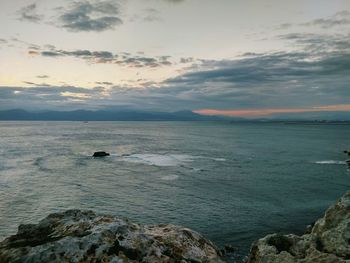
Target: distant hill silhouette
{"type": "Point", "coordinates": [103, 115]}
{"type": "Point", "coordinates": [114, 115]}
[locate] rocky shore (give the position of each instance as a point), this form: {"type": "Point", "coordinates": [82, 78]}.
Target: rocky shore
{"type": "Point", "coordinates": [83, 236]}
{"type": "Point", "coordinates": [327, 241]}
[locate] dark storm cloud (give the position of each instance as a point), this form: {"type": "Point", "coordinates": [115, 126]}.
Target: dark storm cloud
{"type": "Point", "coordinates": [312, 76]}
{"type": "Point", "coordinates": [91, 16]}
{"type": "Point", "coordinates": [124, 59]}
{"type": "Point", "coordinates": [270, 68]}
{"type": "Point", "coordinates": [29, 13]}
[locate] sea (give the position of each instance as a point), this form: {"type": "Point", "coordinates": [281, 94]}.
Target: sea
{"type": "Point", "coordinates": [232, 182]}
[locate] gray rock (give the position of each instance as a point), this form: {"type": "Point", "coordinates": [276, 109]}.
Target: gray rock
{"type": "Point", "coordinates": [83, 236]}
{"type": "Point", "coordinates": [326, 242]}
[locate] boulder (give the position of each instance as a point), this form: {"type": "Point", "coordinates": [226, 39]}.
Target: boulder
{"type": "Point", "coordinates": [83, 236]}
{"type": "Point", "coordinates": [100, 154]}
{"type": "Point", "coordinates": [327, 242]}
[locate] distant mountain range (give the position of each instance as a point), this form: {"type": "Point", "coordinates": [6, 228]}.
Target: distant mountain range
{"type": "Point", "coordinates": [103, 115]}
{"type": "Point", "coordinates": [124, 115]}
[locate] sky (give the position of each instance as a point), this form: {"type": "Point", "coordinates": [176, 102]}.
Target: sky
{"type": "Point", "coordinates": [244, 58]}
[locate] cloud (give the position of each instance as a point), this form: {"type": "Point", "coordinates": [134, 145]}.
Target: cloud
{"type": "Point", "coordinates": [94, 16]}
{"type": "Point", "coordinates": [33, 53]}
{"type": "Point", "coordinates": [296, 80]}
{"type": "Point", "coordinates": [29, 13]}
{"type": "Point", "coordinates": [90, 15]}
{"type": "Point", "coordinates": [284, 26]}
{"type": "Point", "coordinates": [318, 43]}
{"type": "Point", "coordinates": [186, 60]}
{"type": "Point", "coordinates": [315, 75]}
{"type": "Point", "coordinates": [123, 59]}
{"type": "Point", "coordinates": [338, 19]}
{"type": "Point", "coordinates": [42, 76]}
{"type": "Point", "coordinates": [147, 15]}
{"type": "Point", "coordinates": [37, 84]}
{"type": "Point", "coordinates": [152, 14]}
{"type": "Point", "coordinates": [104, 83]}
{"type": "Point", "coordinates": [46, 97]}
{"type": "Point", "coordinates": [50, 53]}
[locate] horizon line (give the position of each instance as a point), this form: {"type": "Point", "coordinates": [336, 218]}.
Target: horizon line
{"type": "Point", "coordinates": [271, 111]}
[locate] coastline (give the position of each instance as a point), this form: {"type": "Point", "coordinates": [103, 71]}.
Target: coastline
{"type": "Point", "coordinates": [83, 236]}
{"type": "Point", "coordinates": [327, 240]}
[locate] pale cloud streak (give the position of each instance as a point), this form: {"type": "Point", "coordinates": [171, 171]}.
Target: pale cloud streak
{"type": "Point", "coordinates": [106, 57]}
{"type": "Point", "coordinates": [341, 18]}
{"type": "Point", "coordinates": [29, 13]}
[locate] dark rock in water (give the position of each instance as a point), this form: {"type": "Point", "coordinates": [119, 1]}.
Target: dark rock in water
{"type": "Point", "coordinates": [327, 241]}
{"type": "Point", "coordinates": [100, 154]}
{"type": "Point", "coordinates": [83, 236]}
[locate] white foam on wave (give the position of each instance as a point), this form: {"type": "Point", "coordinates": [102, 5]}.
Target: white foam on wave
{"type": "Point", "coordinates": [331, 162]}
{"type": "Point", "coordinates": [159, 159]}
{"type": "Point", "coordinates": [170, 177]}
{"type": "Point", "coordinates": [219, 159]}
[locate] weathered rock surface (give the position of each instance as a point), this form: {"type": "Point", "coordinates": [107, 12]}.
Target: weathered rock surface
{"type": "Point", "coordinates": [327, 242]}
{"type": "Point", "coordinates": [83, 236]}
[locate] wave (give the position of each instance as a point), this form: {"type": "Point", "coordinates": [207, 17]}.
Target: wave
{"type": "Point", "coordinates": [218, 159]}
{"type": "Point", "coordinates": [331, 162]}
{"type": "Point", "coordinates": [170, 177]}
{"type": "Point", "coordinates": [50, 163]}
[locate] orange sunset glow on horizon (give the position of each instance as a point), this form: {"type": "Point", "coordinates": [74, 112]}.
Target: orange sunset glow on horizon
{"type": "Point", "coordinates": [267, 112]}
